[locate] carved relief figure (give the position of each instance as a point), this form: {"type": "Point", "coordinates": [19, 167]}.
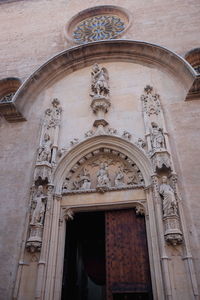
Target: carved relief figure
{"type": "Point", "coordinates": [85, 180]}
{"type": "Point", "coordinates": [100, 79]}
{"type": "Point", "coordinates": [157, 137]}
{"type": "Point", "coordinates": [169, 199]}
{"type": "Point", "coordinates": [39, 210]}
{"type": "Point", "coordinates": [119, 179]}
{"type": "Point", "coordinates": [102, 176]}
{"type": "Point", "coordinates": [44, 153]}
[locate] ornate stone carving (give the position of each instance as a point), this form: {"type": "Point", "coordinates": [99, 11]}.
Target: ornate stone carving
{"type": "Point", "coordinates": [100, 94]}
{"type": "Point", "coordinates": [38, 207]}
{"type": "Point", "coordinates": [74, 142]}
{"type": "Point", "coordinates": [126, 135]}
{"type": "Point", "coordinates": [119, 179]}
{"type": "Point", "coordinates": [89, 133]}
{"type": "Point", "coordinates": [173, 234]}
{"type": "Point", "coordinates": [157, 137]}
{"type": "Point", "coordinates": [103, 180]}
{"type": "Point", "coordinates": [100, 87]}
{"type": "Point", "coordinates": [47, 152]}
{"type": "Point", "coordinates": [169, 199]}
{"type": "Point", "coordinates": [102, 170]}
{"type": "Point", "coordinates": [44, 152]}
{"type": "Point", "coordinates": [139, 209]}
{"type": "Point", "coordinates": [101, 27]}
{"type": "Point", "coordinates": [151, 102]}
{"type": "Point", "coordinates": [161, 159]}
{"type": "Point", "coordinates": [140, 143]}
{"type": "Point", "coordinates": [39, 200]}
{"type": "Point", "coordinates": [112, 131]}
{"type": "Point", "coordinates": [53, 114]}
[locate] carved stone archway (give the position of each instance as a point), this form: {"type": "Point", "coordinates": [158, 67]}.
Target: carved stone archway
{"type": "Point", "coordinates": [140, 197]}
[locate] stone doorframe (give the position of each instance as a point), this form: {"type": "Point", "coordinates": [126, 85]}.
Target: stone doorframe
{"type": "Point", "coordinates": [64, 207]}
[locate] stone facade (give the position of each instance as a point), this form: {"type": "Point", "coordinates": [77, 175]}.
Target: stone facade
{"type": "Point", "coordinates": [110, 119]}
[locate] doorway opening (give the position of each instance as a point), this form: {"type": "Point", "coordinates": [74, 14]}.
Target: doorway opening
{"type": "Point", "coordinates": [106, 257]}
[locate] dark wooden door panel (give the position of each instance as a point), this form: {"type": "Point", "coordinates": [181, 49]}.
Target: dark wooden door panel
{"type": "Point", "coordinates": [127, 263]}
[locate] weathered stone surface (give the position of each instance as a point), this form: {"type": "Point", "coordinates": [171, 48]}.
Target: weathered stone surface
{"type": "Point", "coordinates": [31, 32]}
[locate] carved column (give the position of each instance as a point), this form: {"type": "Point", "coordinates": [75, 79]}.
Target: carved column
{"type": "Point", "coordinates": [53, 245]}
{"type": "Point", "coordinates": [45, 244]}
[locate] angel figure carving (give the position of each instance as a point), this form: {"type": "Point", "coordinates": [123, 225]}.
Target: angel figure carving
{"type": "Point", "coordinates": [100, 79]}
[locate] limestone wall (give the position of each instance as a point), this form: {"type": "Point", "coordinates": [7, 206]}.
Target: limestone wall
{"type": "Point", "coordinates": [32, 31]}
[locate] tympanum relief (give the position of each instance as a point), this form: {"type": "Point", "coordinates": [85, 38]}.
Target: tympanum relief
{"type": "Point", "coordinates": [104, 170]}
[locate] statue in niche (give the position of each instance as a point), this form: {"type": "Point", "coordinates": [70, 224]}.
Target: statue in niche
{"type": "Point", "coordinates": [169, 199]}
{"type": "Point", "coordinates": [157, 137]}
{"type": "Point", "coordinates": [100, 79]}
{"type": "Point", "coordinates": [44, 153]}
{"type": "Point", "coordinates": [119, 179]}
{"type": "Point", "coordinates": [85, 180]}
{"type": "Point", "coordinates": [103, 176]}
{"type": "Point", "coordinates": [39, 210]}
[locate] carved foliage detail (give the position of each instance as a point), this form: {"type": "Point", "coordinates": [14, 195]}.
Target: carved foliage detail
{"type": "Point", "coordinates": [151, 102]}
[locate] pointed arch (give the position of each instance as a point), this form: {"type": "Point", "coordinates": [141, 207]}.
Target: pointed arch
{"type": "Point", "coordinates": [114, 143]}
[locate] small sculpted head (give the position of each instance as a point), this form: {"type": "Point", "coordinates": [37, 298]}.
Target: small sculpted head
{"type": "Point", "coordinates": [164, 179]}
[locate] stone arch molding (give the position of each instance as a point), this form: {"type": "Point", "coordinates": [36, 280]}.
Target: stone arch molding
{"type": "Point", "coordinates": [82, 56]}
{"type": "Point", "coordinates": [109, 147]}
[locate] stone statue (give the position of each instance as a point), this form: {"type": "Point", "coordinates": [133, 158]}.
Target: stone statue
{"type": "Point", "coordinates": [39, 210]}
{"type": "Point", "coordinates": [44, 153]}
{"type": "Point", "coordinates": [102, 176]}
{"type": "Point", "coordinates": [85, 180]}
{"type": "Point", "coordinates": [169, 199]}
{"type": "Point", "coordinates": [157, 137]}
{"type": "Point", "coordinates": [119, 179]}
{"type": "Point", "coordinates": [100, 79]}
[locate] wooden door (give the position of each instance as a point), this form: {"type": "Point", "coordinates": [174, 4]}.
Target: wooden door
{"type": "Point", "coordinates": [127, 262]}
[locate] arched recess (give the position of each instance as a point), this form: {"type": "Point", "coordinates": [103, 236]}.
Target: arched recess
{"type": "Point", "coordinates": [129, 150]}
{"type": "Point", "coordinates": [82, 56]}
{"type": "Point", "coordinates": [62, 211]}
